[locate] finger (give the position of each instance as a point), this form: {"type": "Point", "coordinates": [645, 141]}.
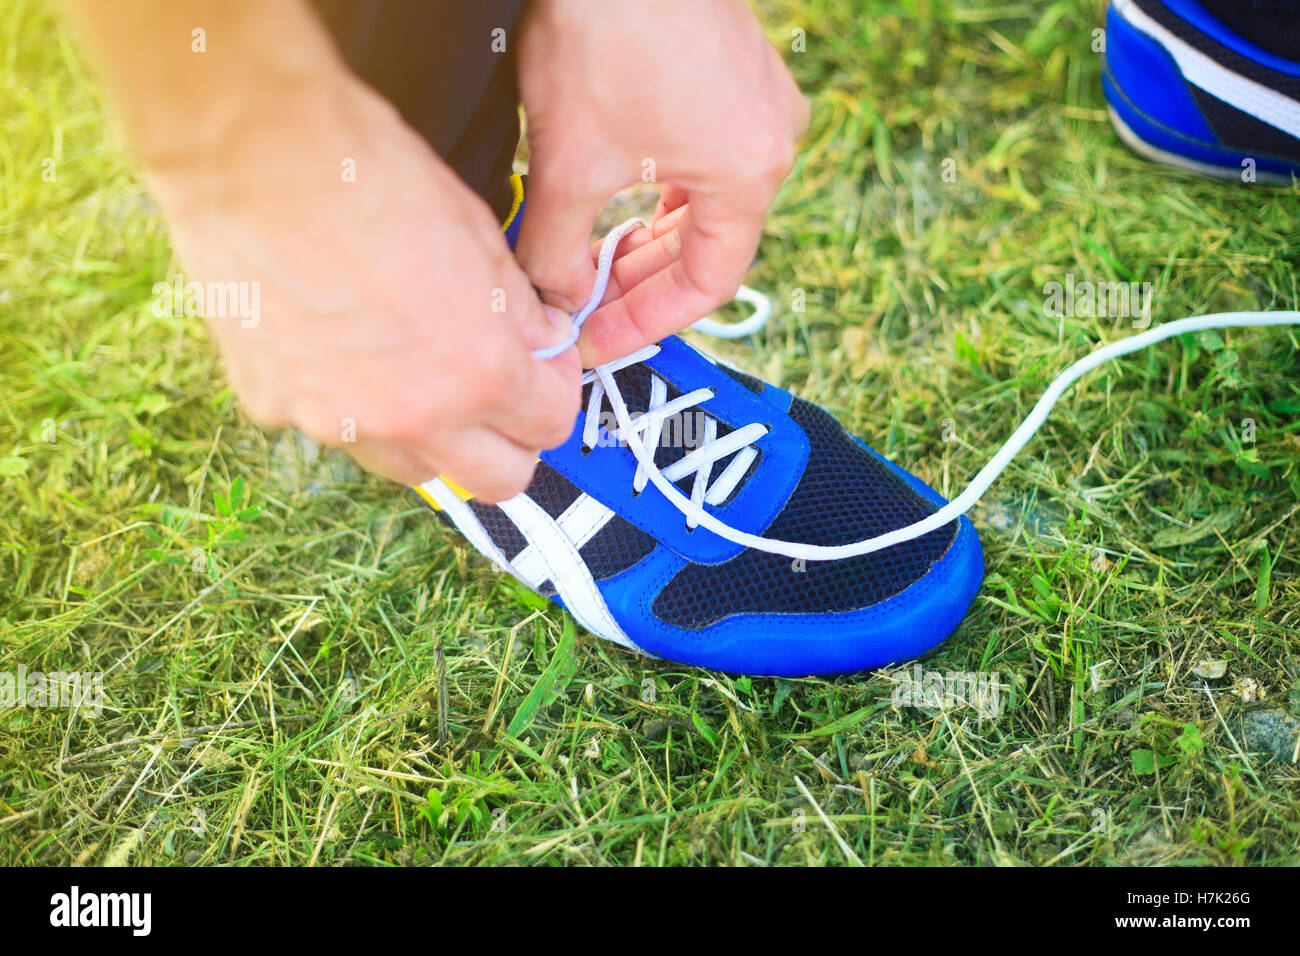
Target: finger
{"type": "Point", "coordinates": [720, 235]}
{"type": "Point", "coordinates": [540, 407]}
{"type": "Point", "coordinates": [553, 240]}
{"type": "Point", "coordinates": [487, 464]}
{"type": "Point", "coordinates": [670, 198]}
{"type": "Point", "coordinates": [645, 314]}
{"type": "Point", "coordinates": [537, 398]}
{"type": "Point", "coordinates": [637, 265]}
{"type": "Point", "coordinates": [565, 367]}
{"type": "Point", "coordinates": [718, 243]}
{"type": "Point", "coordinates": [541, 325]}
{"type": "Point", "coordinates": [621, 277]}
{"type": "Point", "coordinates": [633, 241]}
{"type": "Point", "coordinates": [669, 221]}
{"type": "Point", "coordinates": [531, 401]}
{"type": "Point", "coordinates": [643, 262]}
{"type": "Point", "coordinates": [400, 463]}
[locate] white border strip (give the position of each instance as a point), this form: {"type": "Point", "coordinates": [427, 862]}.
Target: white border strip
{"type": "Point", "coordinates": [1158, 155]}
{"type": "Point", "coordinates": [566, 569]}
{"type": "Point", "coordinates": [580, 522]}
{"type": "Point", "coordinates": [465, 519]}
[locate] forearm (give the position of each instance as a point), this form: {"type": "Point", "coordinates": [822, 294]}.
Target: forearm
{"type": "Point", "coordinates": [187, 77]}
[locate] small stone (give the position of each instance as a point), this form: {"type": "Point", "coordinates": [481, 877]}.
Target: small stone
{"type": "Point", "coordinates": [655, 729]}
{"type": "Point", "coordinates": [1210, 670]}
{"type": "Point", "coordinates": [1269, 730]}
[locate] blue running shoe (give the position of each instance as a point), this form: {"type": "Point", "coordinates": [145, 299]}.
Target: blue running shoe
{"type": "Point", "coordinates": [1185, 90]}
{"type": "Point", "coordinates": [597, 536]}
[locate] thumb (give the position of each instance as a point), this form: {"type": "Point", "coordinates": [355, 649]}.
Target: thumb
{"type": "Point", "coordinates": [544, 326]}
{"type": "Point", "coordinates": [555, 239]}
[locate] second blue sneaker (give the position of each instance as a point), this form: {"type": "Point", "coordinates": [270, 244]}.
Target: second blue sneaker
{"type": "Point", "coordinates": [1186, 90]}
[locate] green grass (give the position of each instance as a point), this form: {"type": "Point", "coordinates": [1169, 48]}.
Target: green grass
{"type": "Point", "coordinates": [337, 679]}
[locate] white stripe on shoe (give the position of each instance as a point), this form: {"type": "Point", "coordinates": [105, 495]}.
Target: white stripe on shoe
{"type": "Point", "coordinates": [465, 519]}
{"type": "Point", "coordinates": [580, 522]}
{"type": "Point", "coordinates": [1200, 70]}
{"type": "Point", "coordinates": [565, 568]}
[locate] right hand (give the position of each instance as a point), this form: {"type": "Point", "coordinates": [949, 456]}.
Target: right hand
{"type": "Point", "coordinates": [690, 88]}
{"type": "Point", "coordinates": [379, 298]}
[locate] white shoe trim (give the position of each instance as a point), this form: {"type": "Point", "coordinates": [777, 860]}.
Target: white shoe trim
{"type": "Point", "coordinates": [565, 569]}
{"type": "Point", "coordinates": [1154, 153]}
{"type": "Point", "coordinates": [465, 519]}
{"type": "Point", "coordinates": [580, 522]}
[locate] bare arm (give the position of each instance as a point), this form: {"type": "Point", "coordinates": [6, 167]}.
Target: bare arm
{"type": "Point", "coordinates": [184, 77]}
{"type": "Point", "coordinates": [382, 329]}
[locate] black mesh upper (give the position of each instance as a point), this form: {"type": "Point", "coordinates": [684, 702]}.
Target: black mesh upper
{"type": "Point", "coordinates": [552, 490]}
{"type": "Point", "coordinates": [615, 548]}
{"type": "Point", "coordinates": [505, 534]}
{"type": "Point", "coordinates": [1271, 24]}
{"type": "Point", "coordinates": [549, 488]}
{"type": "Point", "coordinates": [846, 494]}
{"type": "Point", "coordinates": [1244, 132]}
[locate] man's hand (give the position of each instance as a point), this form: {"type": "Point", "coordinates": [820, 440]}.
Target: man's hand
{"type": "Point", "coordinates": [685, 92]}
{"type": "Point", "coordinates": [394, 322]}
{"type": "Point", "coordinates": [377, 302]}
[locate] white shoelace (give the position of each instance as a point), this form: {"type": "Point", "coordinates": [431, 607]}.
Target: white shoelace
{"type": "Point", "coordinates": [632, 431]}
{"type": "Point", "coordinates": [647, 430]}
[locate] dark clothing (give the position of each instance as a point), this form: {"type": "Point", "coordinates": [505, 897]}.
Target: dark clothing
{"type": "Point", "coordinates": [441, 64]}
